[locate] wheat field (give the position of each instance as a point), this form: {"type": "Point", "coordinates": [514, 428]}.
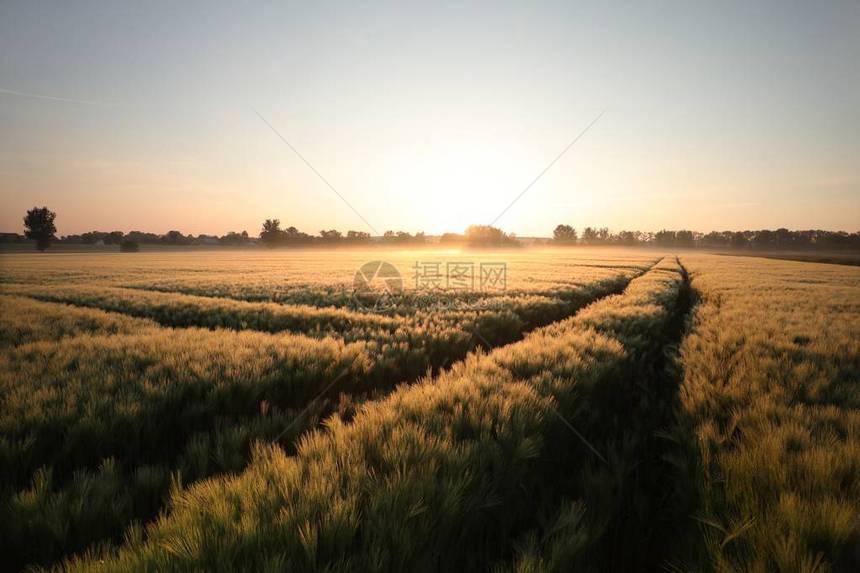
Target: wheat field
{"type": "Point", "coordinates": [605, 409]}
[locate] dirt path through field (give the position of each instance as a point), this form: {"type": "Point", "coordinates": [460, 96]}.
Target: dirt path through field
{"type": "Point", "coordinates": [655, 520]}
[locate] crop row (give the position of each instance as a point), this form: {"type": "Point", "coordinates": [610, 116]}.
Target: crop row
{"type": "Point", "coordinates": [772, 403]}
{"type": "Point", "coordinates": [444, 474]}
{"type": "Point", "coordinates": [174, 401]}
{"type": "Point", "coordinates": [188, 311]}
{"type": "Point", "coordinates": [566, 280]}
{"type": "Point", "coordinates": [24, 320]}
{"type": "Point", "coordinates": [268, 273]}
{"type": "Point", "coordinates": [120, 415]}
{"type": "Point", "coordinates": [442, 334]}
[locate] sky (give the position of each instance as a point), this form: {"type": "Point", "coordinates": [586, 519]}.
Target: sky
{"type": "Point", "coordinates": [430, 116]}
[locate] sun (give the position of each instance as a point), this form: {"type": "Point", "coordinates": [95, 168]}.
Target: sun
{"type": "Point", "coordinates": [457, 185]}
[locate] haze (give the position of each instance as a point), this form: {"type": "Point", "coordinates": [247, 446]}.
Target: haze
{"type": "Point", "coordinates": [430, 116]}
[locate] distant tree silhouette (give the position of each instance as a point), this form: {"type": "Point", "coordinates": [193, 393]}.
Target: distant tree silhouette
{"type": "Point", "coordinates": [589, 235]}
{"type": "Point", "coordinates": [783, 238]}
{"type": "Point", "coordinates": [176, 238]}
{"type": "Point", "coordinates": [39, 225]}
{"type": "Point", "coordinates": [113, 238]}
{"type": "Point", "coordinates": [738, 240]}
{"type": "Point", "coordinates": [271, 233]}
{"type": "Point", "coordinates": [684, 238]}
{"type": "Point", "coordinates": [764, 239]}
{"type": "Point", "coordinates": [141, 237]}
{"type": "Point", "coordinates": [715, 239]}
{"type": "Point", "coordinates": [234, 238]}
{"type": "Point", "coordinates": [402, 238]}
{"type": "Point", "coordinates": [357, 236]}
{"type": "Point", "coordinates": [627, 237]}
{"type": "Point", "coordinates": [128, 246]}
{"type": "Point", "coordinates": [665, 238]}
{"type": "Point", "coordinates": [564, 234]}
{"type": "Point", "coordinates": [487, 236]}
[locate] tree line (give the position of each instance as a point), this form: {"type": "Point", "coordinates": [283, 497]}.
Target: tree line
{"type": "Point", "coordinates": [169, 238]}
{"type": "Point", "coordinates": [760, 239]}
{"type": "Point", "coordinates": [475, 235]}
{"type": "Point", "coordinates": [566, 234]}
{"type": "Point", "coordinates": [39, 224]}
{"type": "Point", "coordinates": [272, 235]}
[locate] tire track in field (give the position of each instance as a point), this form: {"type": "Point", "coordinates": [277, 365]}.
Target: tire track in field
{"type": "Point", "coordinates": [661, 495]}
{"type": "Point", "coordinates": [630, 492]}
{"type": "Point", "coordinates": [678, 541]}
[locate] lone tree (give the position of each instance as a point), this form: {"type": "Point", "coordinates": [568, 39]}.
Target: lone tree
{"type": "Point", "coordinates": [564, 234]}
{"type": "Point", "coordinates": [271, 233]}
{"type": "Point", "coordinates": [487, 236]}
{"type": "Point", "coordinates": [39, 224]}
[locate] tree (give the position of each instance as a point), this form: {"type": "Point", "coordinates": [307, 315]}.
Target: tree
{"type": "Point", "coordinates": [665, 238]}
{"type": "Point", "coordinates": [39, 225]}
{"type": "Point", "coordinates": [589, 235]}
{"type": "Point", "coordinates": [684, 238]}
{"type": "Point", "coordinates": [292, 236]}
{"type": "Point", "coordinates": [113, 238]}
{"type": "Point", "coordinates": [234, 238]}
{"type": "Point", "coordinates": [141, 237]}
{"type": "Point", "coordinates": [398, 237]}
{"type": "Point", "coordinates": [764, 239]}
{"type": "Point", "coordinates": [487, 236]}
{"type": "Point", "coordinates": [628, 237]}
{"type": "Point", "coordinates": [738, 240]}
{"type": "Point", "coordinates": [176, 238]}
{"type": "Point", "coordinates": [785, 238]}
{"type": "Point", "coordinates": [717, 239]}
{"type": "Point", "coordinates": [357, 236]}
{"type": "Point", "coordinates": [564, 234]}
{"type": "Point", "coordinates": [271, 233]}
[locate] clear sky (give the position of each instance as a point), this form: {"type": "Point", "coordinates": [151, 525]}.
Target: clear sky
{"type": "Point", "coordinates": [430, 116]}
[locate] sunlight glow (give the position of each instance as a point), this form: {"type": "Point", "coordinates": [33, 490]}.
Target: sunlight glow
{"type": "Point", "coordinates": [458, 185]}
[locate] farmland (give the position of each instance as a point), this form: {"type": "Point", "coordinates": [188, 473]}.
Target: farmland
{"type": "Point", "coordinates": [603, 409]}
{"type": "Point", "coordinates": [771, 392]}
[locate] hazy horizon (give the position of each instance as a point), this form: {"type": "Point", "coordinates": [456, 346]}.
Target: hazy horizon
{"type": "Point", "coordinates": [430, 118]}
{"type": "Point", "coordinates": [254, 233]}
